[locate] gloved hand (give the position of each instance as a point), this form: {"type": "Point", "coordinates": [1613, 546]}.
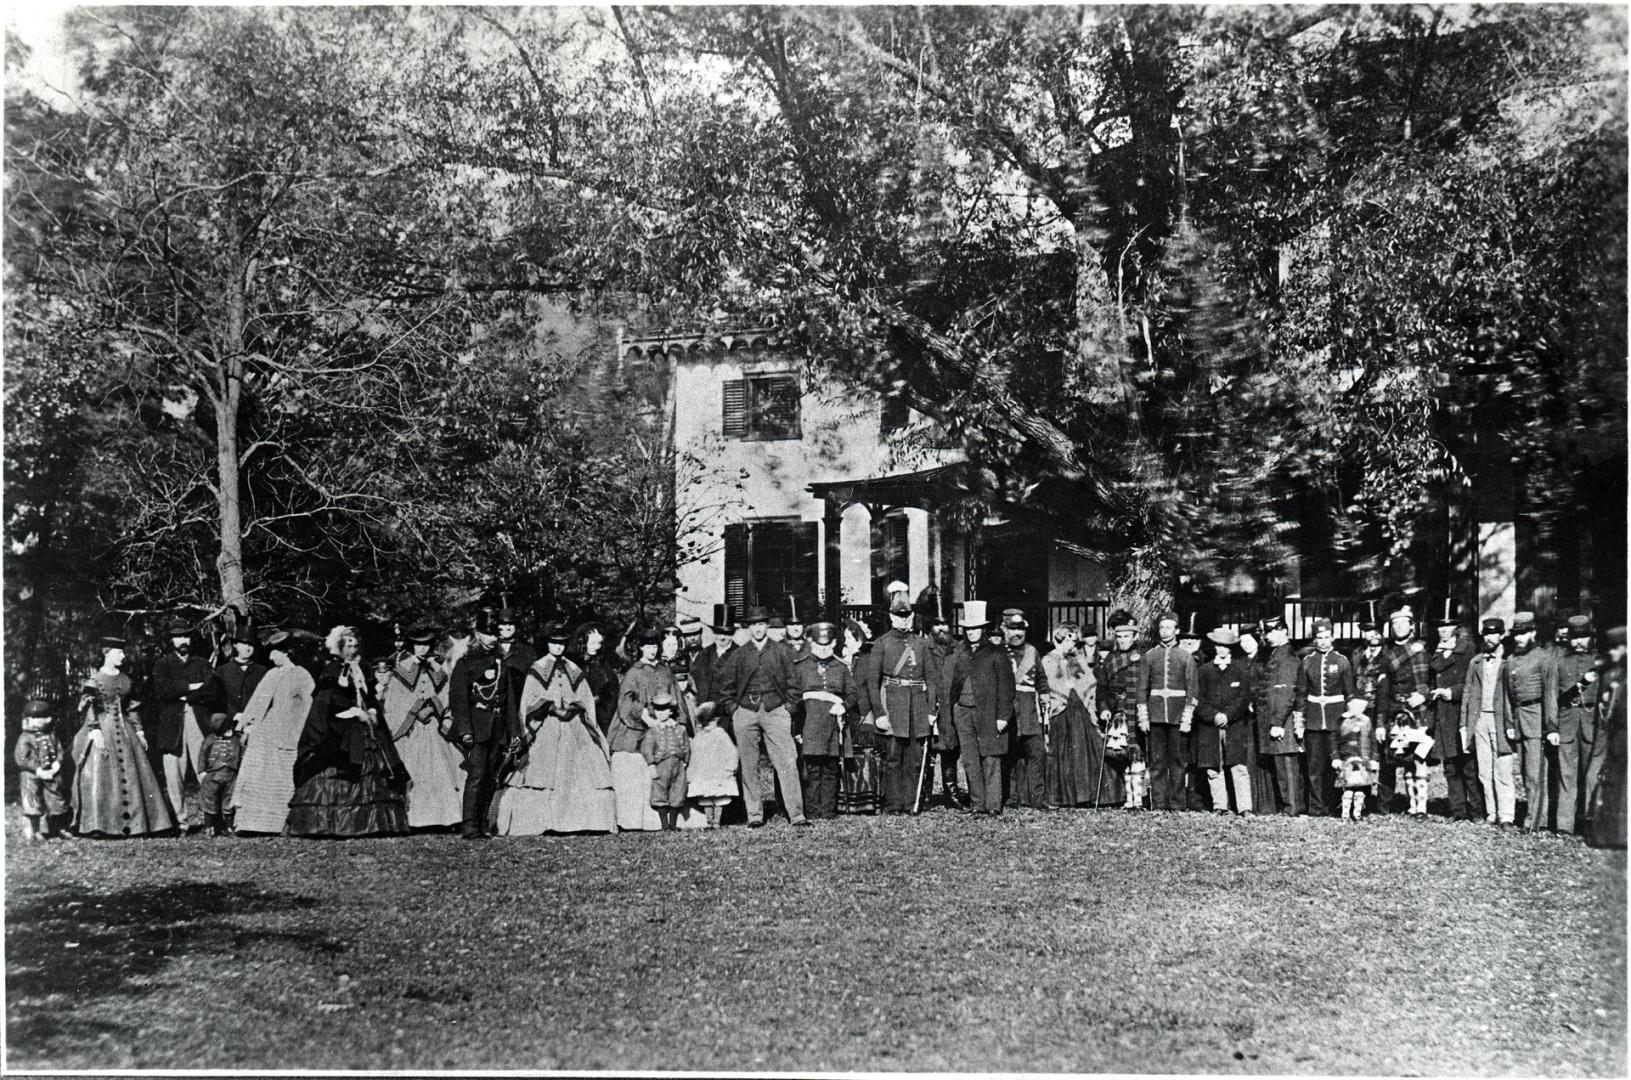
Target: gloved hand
{"type": "Point", "coordinates": [1552, 739]}
{"type": "Point", "coordinates": [1144, 724]}
{"type": "Point", "coordinates": [1381, 733]}
{"type": "Point", "coordinates": [882, 724]}
{"type": "Point", "coordinates": [1221, 720]}
{"type": "Point", "coordinates": [1415, 700]}
{"type": "Point", "coordinates": [1277, 732]}
{"type": "Point", "coordinates": [1183, 726]}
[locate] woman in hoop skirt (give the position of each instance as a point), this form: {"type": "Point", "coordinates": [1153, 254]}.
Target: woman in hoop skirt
{"type": "Point", "coordinates": [348, 778]}
{"type": "Point", "coordinates": [116, 792]}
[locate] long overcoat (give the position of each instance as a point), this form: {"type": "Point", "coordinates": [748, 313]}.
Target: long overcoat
{"type": "Point", "coordinates": [990, 678]}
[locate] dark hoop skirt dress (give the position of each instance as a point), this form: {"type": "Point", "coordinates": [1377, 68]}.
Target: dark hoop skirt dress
{"type": "Point", "coordinates": [348, 778]}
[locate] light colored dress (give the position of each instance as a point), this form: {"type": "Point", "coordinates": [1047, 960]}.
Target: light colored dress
{"type": "Point", "coordinates": [272, 721]}
{"type": "Point", "coordinates": [415, 713]}
{"type": "Point", "coordinates": [116, 792]}
{"type": "Point", "coordinates": [713, 766]}
{"type": "Point", "coordinates": [566, 784]}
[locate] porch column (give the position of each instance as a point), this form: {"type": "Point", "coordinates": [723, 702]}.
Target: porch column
{"type": "Point", "coordinates": [832, 525]}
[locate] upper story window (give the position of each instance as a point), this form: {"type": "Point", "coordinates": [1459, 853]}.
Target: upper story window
{"type": "Point", "coordinates": [762, 407]}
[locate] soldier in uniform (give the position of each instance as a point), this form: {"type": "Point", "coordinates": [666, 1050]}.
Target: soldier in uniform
{"type": "Point", "coordinates": [1570, 739]}
{"type": "Point", "coordinates": [828, 702]}
{"type": "Point", "coordinates": [1119, 676]}
{"type": "Point", "coordinates": [1276, 701]}
{"type": "Point", "coordinates": [1325, 682]}
{"type": "Point", "coordinates": [186, 691]}
{"type": "Point", "coordinates": [905, 693]}
{"type": "Point", "coordinates": [1447, 674]}
{"type": "Point", "coordinates": [982, 694]}
{"type": "Point", "coordinates": [485, 706]}
{"type": "Point", "coordinates": [1531, 690]}
{"type": "Point", "coordinates": [1403, 687]}
{"type": "Point", "coordinates": [1027, 752]}
{"type": "Point", "coordinates": [1166, 708]}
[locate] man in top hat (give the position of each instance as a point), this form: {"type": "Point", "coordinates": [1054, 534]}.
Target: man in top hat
{"type": "Point", "coordinates": [905, 692]}
{"type": "Point", "coordinates": [1486, 719]}
{"type": "Point", "coordinates": [1027, 748]}
{"type": "Point", "coordinates": [1273, 707]}
{"type": "Point", "coordinates": [1576, 727]}
{"type": "Point", "coordinates": [186, 692]}
{"type": "Point", "coordinates": [1166, 708]}
{"type": "Point", "coordinates": [1532, 691]}
{"type": "Point", "coordinates": [1324, 684]}
{"type": "Point", "coordinates": [795, 628]}
{"type": "Point", "coordinates": [1446, 675]}
{"type": "Point", "coordinates": [240, 673]}
{"type": "Point", "coordinates": [828, 702]}
{"type": "Point", "coordinates": [1190, 639]}
{"type": "Point", "coordinates": [757, 688]}
{"type": "Point", "coordinates": [982, 696]}
{"type": "Point", "coordinates": [517, 655]}
{"type": "Point", "coordinates": [485, 703]}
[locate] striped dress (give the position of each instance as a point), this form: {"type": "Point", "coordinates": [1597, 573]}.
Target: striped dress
{"type": "Point", "coordinates": [272, 722]}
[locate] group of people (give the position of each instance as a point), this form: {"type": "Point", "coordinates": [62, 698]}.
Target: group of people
{"type": "Point", "coordinates": [584, 732]}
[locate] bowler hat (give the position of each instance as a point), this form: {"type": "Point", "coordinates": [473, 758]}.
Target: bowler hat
{"type": "Point", "coordinates": [1492, 625]}
{"type": "Point", "coordinates": [1579, 625]}
{"type": "Point", "coordinates": [822, 633]}
{"type": "Point", "coordinates": [177, 628]}
{"type": "Point", "coordinates": [37, 707]}
{"type": "Point", "coordinates": [554, 630]}
{"type": "Point", "coordinates": [1523, 622]}
{"type": "Point", "coordinates": [776, 622]}
{"type": "Point", "coordinates": [505, 615]}
{"type": "Point", "coordinates": [1014, 619]}
{"type": "Point", "coordinates": [1223, 636]}
{"type": "Point", "coordinates": [758, 613]}
{"type": "Point", "coordinates": [112, 641]}
{"type": "Point", "coordinates": [1368, 626]}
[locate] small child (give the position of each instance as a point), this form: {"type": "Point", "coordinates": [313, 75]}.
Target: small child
{"type": "Point", "coordinates": [1357, 768]}
{"type": "Point", "coordinates": [666, 747]}
{"type": "Point", "coordinates": [1121, 748]}
{"type": "Point", "coordinates": [220, 755]}
{"type": "Point", "coordinates": [39, 755]}
{"type": "Point", "coordinates": [1409, 744]}
{"type": "Point", "coordinates": [712, 771]}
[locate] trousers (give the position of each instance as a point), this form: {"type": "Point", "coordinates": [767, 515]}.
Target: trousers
{"type": "Point", "coordinates": [1026, 766]}
{"type": "Point", "coordinates": [1494, 773]}
{"type": "Point", "coordinates": [1563, 792]}
{"type": "Point", "coordinates": [1237, 777]}
{"type": "Point", "coordinates": [902, 762]}
{"type": "Point", "coordinates": [176, 766]}
{"type": "Point", "coordinates": [774, 731]}
{"type": "Point", "coordinates": [480, 776]}
{"type": "Point", "coordinates": [1532, 760]}
{"type": "Point", "coordinates": [1168, 760]}
{"type": "Point", "coordinates": [1318, 786]}
{"type": "Point", "coordinates": [1461, 777]}
{"type": "Point", "coordinates": [821, 785]}
{"type": "Point", "coordinates": [1286, 775]}
{"type": "Point", "coordinates": [984, 783]}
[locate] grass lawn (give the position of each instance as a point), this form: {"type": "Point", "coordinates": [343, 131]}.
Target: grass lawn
{"type": "Point", "coordinates": [1085, 941]}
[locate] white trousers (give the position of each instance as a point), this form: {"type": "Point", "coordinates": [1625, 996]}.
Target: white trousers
{"type": "Point", "coordinates": [1494, 773]}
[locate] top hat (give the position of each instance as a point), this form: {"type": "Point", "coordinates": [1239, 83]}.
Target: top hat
{"type": "Point", "coordinates": [1492, 625]}
{"type": "Point", "coordinates": [899, 605]}
{"type": "Point", "coordinates": [1523, 622]}
{"type": "Point", "coordinates": [486, 621]}
{"type": "Point", "coordinates": [689, 625]}
{"type": "Point", "coordinates": [1014, 619]}
{"type": "Point", "coordinates": [758, 613]}
{"type": "Point", "coordinates": [821, 633]}
{"type": "Point", "coordinates": [1223, 636]}
{"type": "Point", "coordinates": [244, 634]}
{"type": "Point", "coordinates": [793, 610]}
{"type": "Point", "coordinates": [724, 619]}
{"type": "Point", "coordinates": [974, 614]}
{"type": "Point", "coordinates": [37, 707]}
{"type": "Point", "coordinates": [1579, 626]}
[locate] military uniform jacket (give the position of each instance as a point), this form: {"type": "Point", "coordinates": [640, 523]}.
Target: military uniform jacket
{"type": "Point", "coordinates": [823, 686]}
{"type": "Point", "coordinates": [1404, 672]}
{"type": "Point", "coordinates": [172, 680]}
{"type": "Point", "coordinates": [905, 690]}
{"type": "Point", "coordinates": [1325, 682]}
{"type": "Point", "coordinates": [1276, 700]}
{"type": "Point", "coordinates": [475, 697]}
{"type": "Point", "coordinates": [1119, 676]}
{"type": "Point", "coordinates": [1448, 670]}
{"type": "Point", "coordinates": [1167, 685]}
{"type": "Point", "coordinates": [1479, 668]}
{"type": "Point", "coordinates": [1577, 699]}
{"type": "Point", "coordinates": [983, 680]}
{"type": "Point", "coordinates": [238, 682]}
{"type": "Point", "coordinates": [1030, 685]}
{"type": "Point", "coordinates": [1531, 686]}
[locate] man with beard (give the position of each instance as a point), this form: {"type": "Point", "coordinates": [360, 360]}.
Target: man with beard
{"type": "Point", "coordinates": [1027, 754]}
{"type": "Point", "coordinates": [1447, 674]}
{"type": "Point", "coordinates": [1570, 743]}
{"type": "Point", "coordinates": [1275, 703]}
{"type": "Point", "coordinates": [1119, 676]}
{"type": "Point", "coordinates": [982, 694]}
{"type": "Point", "coordinates": [239, 675]}
{"type": "Point", "coordinates": [705, 665]}
{"type": "Point", "coordinates": [485, 707]}
{"type": "Point", "coordinates": [1324, 685]}
{"type": "Point", "coordinates": [1403, 688]}
{"type": "Point", "coordinates": [1486, 720]}
{"type": "Point", "coordinates": [1166, 709]}
{"type": "Point", "coordinates": [517, 657]}
{"type": "Point", "coordinates": [756, 688]}
{"type": "Point", "coordinates": [944, 649]}
{"type": "Point", "coordinates": [905, 693]}
{"type": "Point", "coordinates": [1366, 662]}
{"type": "Point", "coordinates": [186, 692]}
{"type": "Point", "coordinates": [1531, 687]}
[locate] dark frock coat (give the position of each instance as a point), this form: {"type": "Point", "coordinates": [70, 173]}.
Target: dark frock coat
{"type": "Point", "coordinates": [1447, 671]}
{"type": "Point", "coordinates": [1228, 691]}
{"type": "Point", "coordinates": [172, 678]}
{"type": "Point", "coordinates": [814, 716]}
{"type": "Point", "coordinates": [1276, 700]}
{"type": "Point", "coordinates": [989, 675]}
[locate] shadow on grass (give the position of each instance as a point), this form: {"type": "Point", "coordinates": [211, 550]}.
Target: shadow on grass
{"type": "Point", "coordinates": [93, 948]}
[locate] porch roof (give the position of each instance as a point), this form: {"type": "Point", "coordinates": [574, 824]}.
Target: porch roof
{"type": "Point", "coordinates": [924, 488]}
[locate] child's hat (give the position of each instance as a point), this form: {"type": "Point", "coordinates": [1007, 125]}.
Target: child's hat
{"type": "Point", "coordinates": [662, 700]}
{"type": "Point", "coordinates": [36, 707]}
{"type": "Point", "coordinates": [221, 716]}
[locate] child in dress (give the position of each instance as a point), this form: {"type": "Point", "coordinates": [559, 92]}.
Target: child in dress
{"type": "Point", "coordinates": [1357, 768]}
{"type": "Point", "coordinates": [667, 748]}
{"type": "Point", "coordinates": [1120, 748]}
{"type": "Point", "coordinates": [1408, 745]}
{"type": "Point", "coordinates": [220, 755]}
{"type": "Point", "coordinates": [39, 755]}
{"type": "Point", "coordinates": [712, 782]}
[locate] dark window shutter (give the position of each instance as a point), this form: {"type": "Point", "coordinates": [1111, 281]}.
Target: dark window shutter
{"type": "Point", "coordinates": [736, 568]}
{"type": "Point", "coordinates": [807, 561]}
{"type": "Point", "coordinates": [736, 408]}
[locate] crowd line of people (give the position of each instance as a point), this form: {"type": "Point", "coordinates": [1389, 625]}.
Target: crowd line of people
{"type": "Point", "coordinates": [583, 731]}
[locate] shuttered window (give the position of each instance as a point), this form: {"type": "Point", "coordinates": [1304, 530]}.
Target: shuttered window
{"type": "Point", "coordinates": [891, 555]}
{"type": "Point", "coordinates": [762, 407]}
{"type": "Point", "coordinates": [771, 562]}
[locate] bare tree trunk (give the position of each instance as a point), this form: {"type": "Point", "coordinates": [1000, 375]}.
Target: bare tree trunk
{"type": "Point", "coordinates": [229, 563]}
